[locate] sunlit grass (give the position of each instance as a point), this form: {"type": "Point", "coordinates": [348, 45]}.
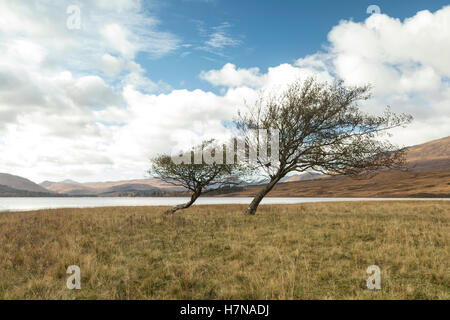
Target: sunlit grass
{"type": "Point", "coordinates": [307, 251]}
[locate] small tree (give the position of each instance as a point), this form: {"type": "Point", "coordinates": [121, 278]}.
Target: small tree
{"type": "Point", "coordinates": [197, 177]}
{"type": "Point", "coordinates": [322, 129]}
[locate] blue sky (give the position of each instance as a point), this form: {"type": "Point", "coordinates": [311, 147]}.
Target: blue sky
{"type": "Point", "coordinates": [143, 77]}
{"type": "Point", "coordinates": [267, 32]}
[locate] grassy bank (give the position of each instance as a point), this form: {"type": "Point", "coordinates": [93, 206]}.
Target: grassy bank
{"type": "Point", "coordinates": [307, 251]}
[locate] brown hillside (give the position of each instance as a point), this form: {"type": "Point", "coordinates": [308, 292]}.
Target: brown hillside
{"type": "Point", "coordinates": [19, 183]}
{"type": "Point", "coordinates": [428, 175]}
{"type": "Point", "coordinates": [94, 188]}
{"type": "Point", "coordinates": [428, 165]}
{"type": "Point", "coordinates": [430, 156]}
{"type": "Point", "coordinates": [385, 184]}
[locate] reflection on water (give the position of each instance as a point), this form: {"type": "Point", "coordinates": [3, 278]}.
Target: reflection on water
{"type": "Point", "coordinates": [24, 204]}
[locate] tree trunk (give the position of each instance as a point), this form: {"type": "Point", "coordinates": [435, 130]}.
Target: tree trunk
{"type": "Point", "coordinates": [194, 197]}
{"type": "Point", "coordinates": [257, 199]}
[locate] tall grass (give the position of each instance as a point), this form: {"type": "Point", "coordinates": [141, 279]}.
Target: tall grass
{"type": "Point", "coordinates": [307, 251]}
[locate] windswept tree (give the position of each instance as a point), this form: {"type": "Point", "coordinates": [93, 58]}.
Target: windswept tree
{"type": "Point", "coordinates": [196, 173]}
{"type": "Point", "coordinates": [321, 128]}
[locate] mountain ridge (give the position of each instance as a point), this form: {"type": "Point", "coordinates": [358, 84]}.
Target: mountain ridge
{"type": "Point", "coordinates": [427, 161]}
{"type": "Point", "coordinates": [20, 183]}
{"type": "Point", "coordinates": [427, 174]}
{"type": "Point", "coordinates": [6, 191]}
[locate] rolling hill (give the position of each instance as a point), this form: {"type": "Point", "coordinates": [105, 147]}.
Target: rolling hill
{"type": "Point", "coordinates": [136, 187]}
{"type": "Point", "coordinates": [385, 184]}
{"type": "Point", "coordinates": [19, 183]}
{"type": "Point", "coordinates": [6, 191]}
{"type": "Point", "coordinates": [427, 175]}
{"type": "Point", "coordinates": [430, 156]}
{"type": "Point", "coordinates": [302, 177]}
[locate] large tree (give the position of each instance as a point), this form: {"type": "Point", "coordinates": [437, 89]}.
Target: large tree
{"type": "Point", "coordinates": [321, 128]}
{"type": "Point", "coordinates": [198, 177]}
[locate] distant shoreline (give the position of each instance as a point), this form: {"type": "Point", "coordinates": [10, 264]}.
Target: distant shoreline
{"type": "Point", "coordinates": [412, 197]}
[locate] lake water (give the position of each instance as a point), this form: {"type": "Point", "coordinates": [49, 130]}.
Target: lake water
{"type": "Point", "coordinates": [26, 204]}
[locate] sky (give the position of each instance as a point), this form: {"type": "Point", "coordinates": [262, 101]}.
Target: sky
{"type": "Point", "coordinates": [91, 90]}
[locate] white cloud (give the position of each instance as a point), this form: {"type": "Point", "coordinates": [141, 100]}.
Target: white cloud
{"type": "Point", "coordinates": [117, 39]}
{"type": "Point", "coordinates": [395, 55]}
{"type": "Point", "coordinates": [62, 116]}
{"type": "Point", "coordinates": [274, 79]}
{"type": "Point", "coordinates": [218, 38]}
{"type": "Point", "coordinates": [407, 64]}
{"type": "Point", "coordinates": [119, 5]}
{"type": "Point", "coordinates": [92, 92]}
{"type": "Point", "coordinates": [231, 77]}
{"type": "Point", "coordinates": [111, 65]}
{"type": "Point", "coordinates": [57, 114]}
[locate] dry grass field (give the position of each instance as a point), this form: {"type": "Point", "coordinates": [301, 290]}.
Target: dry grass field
{"type": "Point", "coordinates": [307, 251]}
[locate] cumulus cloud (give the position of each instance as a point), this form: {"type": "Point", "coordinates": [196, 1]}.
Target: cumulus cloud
{"type": "Point", "coordinates": [405, 61]}
{"type": "Point", "coordinates": [111, 65]}
{"type": "Point", "coordinates": [229, 76]}
{"type": "Point", "coordinates": [59, 107]}
{"type": "Point", "coordinates": [65, 114]}
{"type": "Point", "coordinates": [274, 79]}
